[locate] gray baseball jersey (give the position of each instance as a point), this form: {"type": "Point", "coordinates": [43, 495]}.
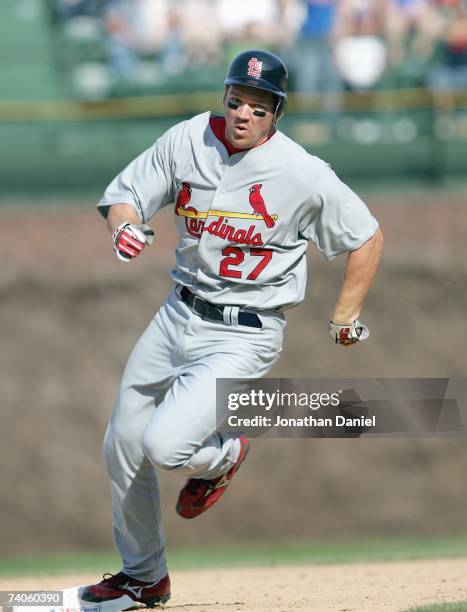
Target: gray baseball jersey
{"type": "Point", "coordinates": [244, 221]}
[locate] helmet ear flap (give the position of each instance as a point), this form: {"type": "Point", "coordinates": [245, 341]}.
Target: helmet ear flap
{"type": "Point", "coordinates": [281, 105]}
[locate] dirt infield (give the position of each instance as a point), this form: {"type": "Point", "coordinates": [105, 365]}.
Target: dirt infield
{"type": "Point", "coordinates": [372, 587]}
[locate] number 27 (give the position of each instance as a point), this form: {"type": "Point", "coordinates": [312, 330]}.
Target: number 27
{"type": "Point", "coordinates": [234, 256]}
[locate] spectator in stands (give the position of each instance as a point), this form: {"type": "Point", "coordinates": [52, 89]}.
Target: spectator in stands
{"type": "Point", "coordinates": [119, 26]}
{"type": "Point", "coordinates": [133, 28]}
{"type": "Point", "coordinates": [173, 56]}
{"type": "Point", "coordinates": [201, 31]}
{"type": "Point", "coordinates": [360, 50]}
{"type": "Point", "coordinates": [412, 27]}
{"type": "Point", "coordinates": [450, 71]}
{"type": "Point", "coordinates": [310, 59]}
{"type": "Point", "coordinates": [249, 22]}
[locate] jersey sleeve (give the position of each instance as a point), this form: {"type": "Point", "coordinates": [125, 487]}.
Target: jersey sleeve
{"type": "Point", "coordinates": [337, 220]}
{"type": "Point", "coordinates": [146, 183]}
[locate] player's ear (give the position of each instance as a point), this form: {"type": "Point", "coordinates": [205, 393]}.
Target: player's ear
{"type": "Point", "coordinates": [226, 91]}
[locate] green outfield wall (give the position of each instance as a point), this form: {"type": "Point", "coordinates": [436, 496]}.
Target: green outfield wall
{"type": "Point", "coordinates": [80, 145]}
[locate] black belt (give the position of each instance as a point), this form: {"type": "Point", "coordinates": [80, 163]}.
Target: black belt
{"type": "Point", "coordinates": [216, 313]}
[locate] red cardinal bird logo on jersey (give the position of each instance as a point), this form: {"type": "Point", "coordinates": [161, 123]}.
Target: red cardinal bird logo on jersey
{"type": "Point", "coordinates": [258, 205]}
{"type": "Point", "coordinates": [183, 197]}
{"type": "Point", "coordinates": [194, 225]}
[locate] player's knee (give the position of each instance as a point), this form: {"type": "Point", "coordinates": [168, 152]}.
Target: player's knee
{"type": "Point", "coordinates": [164, 453]}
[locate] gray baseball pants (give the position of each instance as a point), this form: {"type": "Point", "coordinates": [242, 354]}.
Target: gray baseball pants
{"type": "Point", "coordinates": [165, 417]}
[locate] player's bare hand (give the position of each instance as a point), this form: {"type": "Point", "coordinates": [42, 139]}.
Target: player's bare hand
{"type": "Point", "coordinates": [129, 240]}
{"type": "Point", "coordinates": [348, 334]}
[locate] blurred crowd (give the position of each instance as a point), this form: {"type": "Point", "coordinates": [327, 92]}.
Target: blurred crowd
{"type": "Point", "coordinates": [328, 45]}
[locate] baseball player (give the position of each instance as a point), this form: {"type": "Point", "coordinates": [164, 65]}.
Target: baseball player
{"type": "Point", "coordinates": [247, 200]}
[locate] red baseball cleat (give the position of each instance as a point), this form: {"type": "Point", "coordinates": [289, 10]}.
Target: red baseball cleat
{"type": "Point", "coordinates": [199, 495]}
{"type": "Point", "coordinates": [123, 591]}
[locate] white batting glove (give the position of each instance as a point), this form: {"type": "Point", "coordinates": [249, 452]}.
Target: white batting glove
{"type": "Point", "coordinates": [129, 240]}
{"type": "Point", "coordinates": [348, 334]}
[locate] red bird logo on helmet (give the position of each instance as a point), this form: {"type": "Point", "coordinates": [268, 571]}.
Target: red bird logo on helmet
{"type": "Point", "coordinates": [258, 205]}
{"type": "Point", "coordinates": [183, 197]}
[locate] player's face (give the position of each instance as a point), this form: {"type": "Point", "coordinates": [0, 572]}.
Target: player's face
{"type": "Point", "coordinates": [249, 115]}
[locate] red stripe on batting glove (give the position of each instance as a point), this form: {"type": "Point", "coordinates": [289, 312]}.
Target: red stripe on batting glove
{"type": "Point", "coordinates": [128, 250]}
{"type": "Point", "coordinates": [134, 242]}
{"type": "Point", "coordinates": [131, 243]}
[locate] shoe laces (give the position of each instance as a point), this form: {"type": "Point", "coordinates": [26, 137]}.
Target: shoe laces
{"type": "Point", "coordinates": [194, 484]}
{"type": "Point", "coordinates": [113, 579]}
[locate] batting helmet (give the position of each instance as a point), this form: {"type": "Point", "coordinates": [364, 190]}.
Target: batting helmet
{"type": "Point", "coordinates": [263, 70]}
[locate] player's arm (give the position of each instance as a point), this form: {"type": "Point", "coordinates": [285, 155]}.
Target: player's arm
{"type": "Point", "coordinates": [121, 213]}
{"type": "Point", "coordinates": [360, 270]}
{"type": "Point", "coordinates": [135, 195]}
{"type": "Point", "coordinates": [129, 235]}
